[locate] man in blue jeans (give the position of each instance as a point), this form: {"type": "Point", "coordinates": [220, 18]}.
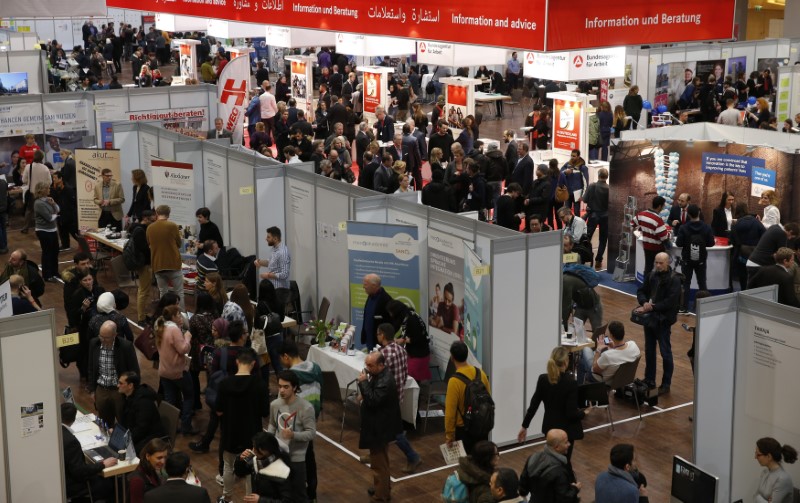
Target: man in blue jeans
{"type": "Point", "coordinates": [659, 295]}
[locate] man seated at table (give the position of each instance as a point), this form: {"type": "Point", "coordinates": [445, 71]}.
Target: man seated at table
{"type": "Point", "coordinates": [601, 365]}
{"type": "Point", "coordinates": [206, 263]}
{"type": "Point", "coordinates": [77, 472]}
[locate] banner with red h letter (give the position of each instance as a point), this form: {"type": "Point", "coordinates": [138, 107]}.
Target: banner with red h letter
{"type": "Point", "coordinates": [232, 96]}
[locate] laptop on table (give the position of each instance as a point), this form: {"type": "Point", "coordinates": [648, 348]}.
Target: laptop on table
{"type": "Point", "coordinates": [117, 442]}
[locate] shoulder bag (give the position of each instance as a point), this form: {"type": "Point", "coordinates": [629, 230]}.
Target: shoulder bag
{"type": "Point", "coordinates": [562, 193]}
{"type": "Point", "coordinates": [146, 342]}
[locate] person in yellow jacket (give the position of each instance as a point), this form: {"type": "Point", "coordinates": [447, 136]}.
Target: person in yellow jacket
{"type": "Point", "coordinates": [454, 402]}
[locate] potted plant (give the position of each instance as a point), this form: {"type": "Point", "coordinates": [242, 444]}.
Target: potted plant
{"type": "Point", "coordinates": [322, 328]}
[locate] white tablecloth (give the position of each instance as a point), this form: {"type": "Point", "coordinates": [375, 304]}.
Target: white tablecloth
{"type": "Point", "coordinates": [347, 368]}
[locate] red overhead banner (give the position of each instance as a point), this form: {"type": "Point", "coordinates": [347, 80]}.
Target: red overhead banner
{"type": "Point", "coordinates": [578, 25]}
{"type": "Point", "coordinates": [501, 24]}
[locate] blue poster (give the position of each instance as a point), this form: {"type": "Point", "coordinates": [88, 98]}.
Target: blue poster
{"type": "Point", "coordinates": [729, 164]}
{"type": "Point", "coordinates": [761, 180]}
{"type": "Point", "coordinates": [476, 281]}
{"type": "Point", "coordinates": [392, 252]}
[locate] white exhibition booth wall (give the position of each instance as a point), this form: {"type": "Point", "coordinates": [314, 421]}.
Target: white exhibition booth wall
{"type": "Point", "coordinates": [30, 410]}
{"type": "Point", "coordinates": [223, 176]}
{"type": "Point", "coordinates": [522, 317]}
{"type": "Point", "coordinates": [30, 61]}
{"type": "Point", "coordinates": [745, 385]}
{"type": "Point", "coordinates": [18, 40]}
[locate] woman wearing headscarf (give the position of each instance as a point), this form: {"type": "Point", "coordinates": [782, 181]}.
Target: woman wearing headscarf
{"type": "Point", "coordinates": [107, 310]}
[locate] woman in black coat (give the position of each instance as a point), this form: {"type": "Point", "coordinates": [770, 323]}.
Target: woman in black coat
{"type": "Point", "coordinates": [141, 200]}
{"type": "Point", "coordinates": [558, 390]}
{"type": "Point", "coordinates": [539, 196]}
{"type": "Point", "coordinates": [722, 218]}
{"type": "Point", "coordinates": [80, 309]}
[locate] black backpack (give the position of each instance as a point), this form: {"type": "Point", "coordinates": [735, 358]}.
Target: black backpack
{"type": "Point", "coordinates": [132, 260]}
{"type": "Point", "coordinates": [583, 297]}
{"type": "Point", "coordinates": [695, 250]}
{"type": "Point", "coordinates": [478, 415]}
{"type": "Point", "coordinates": [212, 391]}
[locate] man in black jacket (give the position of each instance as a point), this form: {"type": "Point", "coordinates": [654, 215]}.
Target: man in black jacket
{"type": "Point", "coordinates": [380, 420]}
{"type": "Point", "coordinates": [778, 274]}
{"type": "Point", "coordinates": [103, 381]}
{"type": "Point", "coordinates": [506, 212]}
{"type": "Point", "coordinates": [375, 311]}
{"type": "Point", "coordinates": [76, 470]}
{"type": "Point", "coordinates": [438, 194]}
{"type": "Point", "coordinates": [384, 125]}
{"type": "Point", "coordinates": [659, 295]}
{"type": "Point", "coordinates": [67, 199]}
{"type": "Point", "coordinates": [539, 195]}
{"type": "Point", "coordinates": [442, 138]}
{"type": "Point", "coordinates": [176, 488]}
{"type": "Point", "coordinates": [764, 253]}
{"type": "Point", "coordinates": [139, 412]}
{"type": "Point", "coordinates": [138, 232]}
{"type": "Point", "coordinates": [548, 474]}
{"type": "Point", "coordinates": [522, 172]}
{"type": "Point", "coordinates": [694, 237]}
{"type": "Point", "coordinates": [596, 199]}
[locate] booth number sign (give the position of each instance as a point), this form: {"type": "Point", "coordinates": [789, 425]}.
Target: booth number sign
{"type": "Point", "coordinates": [67, 340]}
{"type": "Point", "coordinates": [481, 270]}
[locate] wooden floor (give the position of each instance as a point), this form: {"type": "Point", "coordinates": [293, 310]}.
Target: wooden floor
{"type": "Point", "coordinates": [665, 430]}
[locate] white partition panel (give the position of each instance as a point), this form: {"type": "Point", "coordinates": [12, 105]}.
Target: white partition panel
{"type": "Point", "coordinates": [543, 310]}
{"type": "Point", "coordinates": [508, 359]}
{"type": "Point", "coordinates": [31, 62]}
{"type": "Point", "coordinates": [191, 151]}
{"type": "Point", "coordinates": [242, 203]}
{"type": "Point", "coordinates": [765, 392]}
{"type": "Point", "coordinates": [270, 203]}
{"type": "Point", "coordinates": [166, 146]}
{"type": "Point", "coordinates": [302, 232]}
{"type": "Point", "coordinates": [371, 209]}
{"type": "Point", "coordinates": [332, 211]}
{"type": "Point", "coordinates": [31, 447]}
{"type": "Point", "coordinates": [215, 188]}
{"type": "Point", "coordinates": [126, 139]}
{"type": "Point", "coordinates": [147, 99]}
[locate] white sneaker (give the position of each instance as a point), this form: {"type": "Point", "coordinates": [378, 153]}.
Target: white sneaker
{"type": "Point", "coordinates": [219, 480]}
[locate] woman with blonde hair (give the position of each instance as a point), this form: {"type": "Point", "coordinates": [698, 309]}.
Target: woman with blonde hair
{"type": "Point", "coordinates": [620, 121]}
{"type": "Point", "coordinates": [558, 390]}
{"type": "Point", "coordinates": [435, 159]}
{"type": "Point", "coordinates": [45, 212]}
{"type": "Point", "coordinates": [772, 215]}
{"type": "Point", "coordinates": [172, 364]}
{"type": "Point", "coordinates": [403, 181]}
{"type": "Point", "coordinates": [216, 289]}
{"type": "Point", "coordinates": [140, 201]}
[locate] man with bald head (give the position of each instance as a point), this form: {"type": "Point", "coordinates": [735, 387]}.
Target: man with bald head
{"type": "Point", "coordinates": [375, 311]}
{"type": "Point", "coordinates": [380, 420]}
{"type": "Point", "coordinates": [659, 296]}
{"type": "Point", "coordinates": [18, 263]}
{"type": "Point", "coordinates": [109, 357]}
{"type": "Point", "coordinates": [548, 475]}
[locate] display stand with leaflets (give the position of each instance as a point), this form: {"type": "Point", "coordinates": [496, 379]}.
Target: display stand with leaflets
{"type": "Point", "coordinates": [376, 89]}
{"type": "Point", "coordinates": [187, 68]}
{"type": "Point", "coordinates": [301, 80]}
{"type": "Point", "coordinates": [570, 124]}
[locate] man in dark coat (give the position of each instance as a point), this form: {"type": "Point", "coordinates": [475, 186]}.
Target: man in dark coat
{"type": "Point", "coordinates": [384, 126]}
{"type": "Point", "coordinates": [438, 194]}
{"type": "Point", "coordinates": [778, 274]}
{"type": "Point", "coordinates": [375, 311]}
{"type": "Point", "coordinates": [522, 172]}
{"type": "Point", "coordinates": [77, 471]}
{"type": "Point", "coordinates": [102, 383]}
{"type": "Point", "coordinates": [139, 412]}
{"type": "Point", "coordinates": [548, 474]}
{"type": "Point", "coordinates": [380, 420]}
{"type": "Point", "coordinates": [176, 488]}
{"type": "Point", "coordinates": [659, 295]}
{"type": "Point", "coordinates": [539, 195]}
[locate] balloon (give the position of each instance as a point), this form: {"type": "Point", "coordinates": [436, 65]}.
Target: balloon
{"type": "Point", "coordinates": [751, 100]}
{"type": "Point", "coordinates": [662, 109]}
{"type": "Point", "coordinates": [647, 105]}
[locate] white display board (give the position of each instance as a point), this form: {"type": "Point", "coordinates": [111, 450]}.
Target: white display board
{"type": "Point", "coordinates": [31, 446]}
{"type": "Point", "coordinates": [454, 55]}
{"type": "Point", "coordinates": [370, 45]}
{"type": "Point", "coordinates": [285, 36]}
{"type": "Point", "coordinates": [587, 64]}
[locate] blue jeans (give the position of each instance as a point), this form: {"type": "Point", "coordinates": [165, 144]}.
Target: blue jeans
{"type": "Point", "coordinates": [658, 334]}
{"type": "Point", "coordinates": [274, 344]}
{"type": "Point", "coordinates": [173, 389]}
{"type": "Point", "coordinates": [405, 446]}
{"type": "Point", "coordinates": [3, 234]}
{"type": "Point", "coordinates": [585, 366]}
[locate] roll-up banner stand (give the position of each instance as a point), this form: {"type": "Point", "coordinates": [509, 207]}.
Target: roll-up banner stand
{"type": "Point", "coordinates": [302, 82]}
{"type": "Point", "coordinates": [232, 96]}
{"type": "Point", "coordinates": [89, 163]}
{"type": "Point", "coordinates": [570, 124]}
{"type": "Point", "coordinates": [173, 185]}
{"type": "Point", "coordinates": [392, 252]}
{"type": "Point", "coordinates": [376, 89]}
{"type": "Point", "coordinates": [187, 52]}
{"type": "Point", "coordinates": [5, 300]}
{"type": "Point", "coordinates": [459, 101]}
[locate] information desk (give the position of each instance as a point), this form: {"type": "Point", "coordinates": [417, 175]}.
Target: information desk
{"type": "Point", "coordinates": [717, 266]}
{"type": "Point", "coordinates": [88, 434]}
{"type": "Point", "coordinates": [347, 368]}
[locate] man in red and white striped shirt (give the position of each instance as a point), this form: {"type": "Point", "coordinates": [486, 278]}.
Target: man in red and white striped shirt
{"type": "Point", "coordinates": [654, 232]}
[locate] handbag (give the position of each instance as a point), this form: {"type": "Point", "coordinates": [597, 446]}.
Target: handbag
{"type": "Point", "coordinates": [146, 343]}
{"type": "Point", "coordinates": [258, 340]}
{"type": "Point", "coordinates": [562, 193]}
{"type": "Point", "coordinates": [640, 318]}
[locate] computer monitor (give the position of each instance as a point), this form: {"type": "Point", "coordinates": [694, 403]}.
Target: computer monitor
{"type": "Point", "coordinates": [690, 484]}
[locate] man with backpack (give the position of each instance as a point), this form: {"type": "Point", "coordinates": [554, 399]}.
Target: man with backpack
{"type": "Point", "coordinates": [141, 254]}
{"type": "Point", "coordinates": [469, 408]}
{"type": "Point", "coordinates": [694, 238]}
{"type": "Point", "coordinates": [659, 296]}
{"type": "Point", "coordinates": [577, 291]}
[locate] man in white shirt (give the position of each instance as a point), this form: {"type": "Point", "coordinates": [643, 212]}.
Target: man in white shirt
{"type": "Point", "coordinates": [613, 351]}
{"type": "Point", "coordinates": [731, 116]}
{"type": "Point", "coordinates": [269, 107]}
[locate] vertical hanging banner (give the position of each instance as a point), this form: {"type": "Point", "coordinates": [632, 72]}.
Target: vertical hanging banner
{"type": "Point", "coordinates": [373, 91]}
{"type": "Point", "coordinates": [476, 286]}
{"type": "Point", "coordinates": [89, 163]}
{"type": "Point", "coordinates": [173, 185]}
{"type": "Point", "coordinates": [5, 300]}
{"type": "Point", "coordinates": [188, 61]}
{"type": "Point", "coordinates": [301, 81]}
{"type": "Point", "coordinates": [445, 294]}
{"type": "Point", "coordinates": [567, 124]}
{"type": "Point", "coordinates": [233, 97]}
{"type": "Point", "coordinates": [392, 252]}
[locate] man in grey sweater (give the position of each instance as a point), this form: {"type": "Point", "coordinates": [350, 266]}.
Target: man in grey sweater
{"type": "Point", "coordinates": [291, 419]}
